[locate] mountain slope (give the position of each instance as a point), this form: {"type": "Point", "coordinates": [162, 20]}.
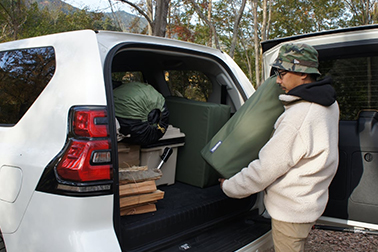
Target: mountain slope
{"type": "Point", "coordinates": [127, 21]}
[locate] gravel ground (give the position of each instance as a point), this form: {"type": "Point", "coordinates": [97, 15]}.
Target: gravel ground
{"type": "Point", "coordinates": [330, 241]}
{"type": "Point", "coordinates": [324, 241]}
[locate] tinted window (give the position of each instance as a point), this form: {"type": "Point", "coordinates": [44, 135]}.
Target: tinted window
{"type": "Point", "coordinates": [193, 85]}
{"type": "Point", "coordinates": [356, 84]}
{"type": "Point", "coordinates": [119, 78]}
{"type": "Point", "coordinates": [23, 76]}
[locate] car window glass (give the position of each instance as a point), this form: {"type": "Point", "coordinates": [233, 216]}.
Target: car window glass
{"type": "Point", "coordinates": [119, 78]}
{"type": "Point", "coordinates": [23, 75]}
{"type": "Point", "coordinates": [193, 85]}
{"type": "Point", "coordinates": [356, 83]}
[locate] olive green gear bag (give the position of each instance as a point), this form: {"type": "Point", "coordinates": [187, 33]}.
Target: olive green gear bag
{"type": "Point", "coordinates": [239, 141]}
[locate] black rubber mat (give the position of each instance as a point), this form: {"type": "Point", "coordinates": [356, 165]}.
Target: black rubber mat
{"type": "Point", "coordinates": [225, 237]}
{"type": "Point", "coordinates": [185, 209]}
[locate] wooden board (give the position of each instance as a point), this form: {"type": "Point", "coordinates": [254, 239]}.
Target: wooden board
{"type": "Point", "coordinates": [138, 174]}
{"type": "Point", "coordinates": [141, 198]}
{"type": "Point", "coordinates": [138, 209]}
{"type": "Point", "coordinates": [137, 188]}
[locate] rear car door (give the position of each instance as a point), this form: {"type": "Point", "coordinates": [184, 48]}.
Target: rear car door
{"type": "Point", "coordinates": [354, 68]}
{"type": "Point", "coordinates": [351, 58]}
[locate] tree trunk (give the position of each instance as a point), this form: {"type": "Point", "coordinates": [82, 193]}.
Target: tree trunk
{"type": "Point", "coordinates": [257, 43]}
{"type": "Point", "coordinates": [159, 23]}
{"type": "Point", "coordinates": [160, 20]}
{"type": "Point", "coordinates": [269, 19]}
{"type": "Point", "coordinates": [263, 25]}
{"type": "Point", "coordinates": [367, 12]}
{"type": "Point", "coordinates": [236, 29]}
{"type": "Point", "coordinates": [209, 10]}
{"type": "Point", "coordinates": [150, 15]}
{"type": "Point", "coordinates": [264, 31]}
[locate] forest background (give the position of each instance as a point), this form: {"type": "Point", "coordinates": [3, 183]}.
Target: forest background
{"type": "Point", "coordinates": [236, 27]}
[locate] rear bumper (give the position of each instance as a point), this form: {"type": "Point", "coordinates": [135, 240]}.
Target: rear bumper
{"type": "Point", "coordinates": [264, 243]}
{"type": "Point", "coordinates": [62, 223]}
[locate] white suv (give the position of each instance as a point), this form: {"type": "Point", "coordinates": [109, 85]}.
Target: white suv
{"type": "Point", "coordinates": [59, 158]}
{"type": "Point", "coordinates": [59, 186]}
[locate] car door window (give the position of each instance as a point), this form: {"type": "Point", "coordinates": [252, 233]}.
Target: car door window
{"type": "Point", "coordinates": [23, 75]}
{"type": "Point", "coordinates": [356, 84]}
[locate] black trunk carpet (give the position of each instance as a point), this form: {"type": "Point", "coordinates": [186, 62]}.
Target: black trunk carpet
{"type": "Point", "coordinates": [183, 210]}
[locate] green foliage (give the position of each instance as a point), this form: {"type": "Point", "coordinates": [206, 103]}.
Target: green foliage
{"type": "Point", "coordinates": [184, 25]}
{"type": "Point", "coordinates": [362, 12]}
{"type": "Point", "coordinates": [305, 16]}
{"type": "Point", "coordinates": [21, 20]}
{"type": "Point", "coordinates": [12, 17]}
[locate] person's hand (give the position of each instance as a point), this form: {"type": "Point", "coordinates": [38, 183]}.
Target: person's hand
{"type": "Point", "coordinates": [221, 180]}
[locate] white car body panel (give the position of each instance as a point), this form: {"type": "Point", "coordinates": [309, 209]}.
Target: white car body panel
{"type": "Point", "coordinates": [90, 229]}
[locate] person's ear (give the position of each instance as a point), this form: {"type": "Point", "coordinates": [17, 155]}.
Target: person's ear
{"type": "Point", "coordinates": [305, 76]}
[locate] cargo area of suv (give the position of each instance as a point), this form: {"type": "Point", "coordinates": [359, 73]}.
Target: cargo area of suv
{"type": "Point", "coordinates": [194, 212]}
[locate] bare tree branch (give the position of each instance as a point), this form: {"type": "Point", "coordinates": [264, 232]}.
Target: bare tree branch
{"type": "Point", "coordinates": [353, 8]}
{"type": "Point", "coordinates": [6, 11]}
{"type": "Point", "coordinates": [236, 28]}
{"type": "Point", "coordinates": [114, 15]}
{"type": "Point", "coordinates": [247, 58]}
{"type": "Point", "coordinates": [3, 32]}
{"type": "Point", "coordinates": [140, 10]}
{"type": "Point", "coordinates": [208, 22]}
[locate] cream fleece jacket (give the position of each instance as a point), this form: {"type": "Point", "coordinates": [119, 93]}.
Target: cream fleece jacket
{"type": "Point", "coordinates": [297, 165]}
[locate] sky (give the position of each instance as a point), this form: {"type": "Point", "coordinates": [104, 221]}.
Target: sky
{"type": "Point", "coordinates": [99, 5]}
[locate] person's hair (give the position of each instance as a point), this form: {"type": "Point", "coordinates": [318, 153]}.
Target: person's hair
{"type": "Point", "coordinates": [313, 77]}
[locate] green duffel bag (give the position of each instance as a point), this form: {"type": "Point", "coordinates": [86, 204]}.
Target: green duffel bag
{"type": "Point", "coordinates": [141, 112]}
{"type": "Point", "coordinates": [239, 141]}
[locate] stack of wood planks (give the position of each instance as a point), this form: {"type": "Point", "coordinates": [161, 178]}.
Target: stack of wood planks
{"type": "Point", "coordinates": [137, 190]}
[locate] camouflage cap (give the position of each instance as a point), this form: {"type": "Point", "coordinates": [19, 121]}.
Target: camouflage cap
{"type": "Point", "coordinates": [301, 58]}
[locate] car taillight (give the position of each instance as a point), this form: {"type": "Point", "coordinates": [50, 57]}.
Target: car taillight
{"type": "Point", "coordinates": [90, 123]}
{"type": "Point", "coordinates": [87, 157]}
{"type": "Point", "coordinates": [86, 161]}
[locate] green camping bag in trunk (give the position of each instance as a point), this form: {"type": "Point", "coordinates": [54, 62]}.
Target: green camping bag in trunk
{"type": "Point", "coordinates": [239, 141]}
{"type": "Point", "coordinates": [141, 112]}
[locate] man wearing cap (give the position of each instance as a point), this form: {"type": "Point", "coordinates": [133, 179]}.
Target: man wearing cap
{"type": "Point", "coordinates": [296, 166]}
